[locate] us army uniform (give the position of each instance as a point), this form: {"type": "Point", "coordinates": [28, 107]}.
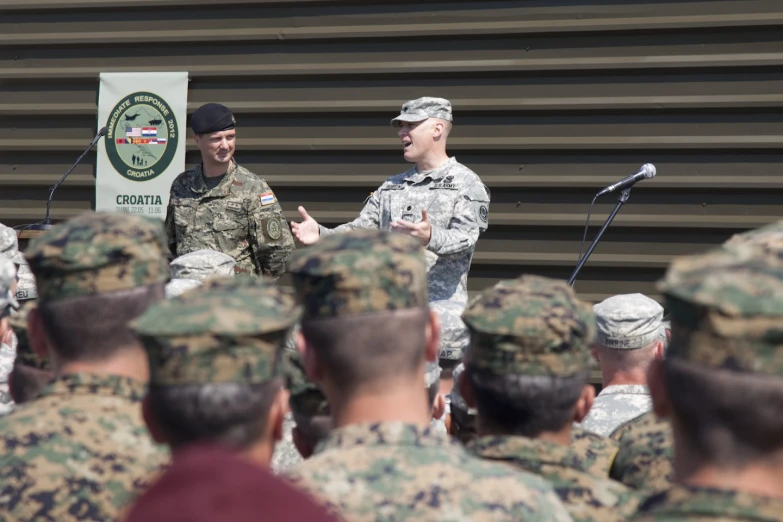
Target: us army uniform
{"type": "Point", "coordinates": [625, 322]}
{"type": "Point", "coordinates": [9, 249]}
{"type": "Point", "coordinates": [727, 307]}
{"type": "Point", "coordinates": [535, 326]}
{"type": "Point", "coordinates": [645, 457]}
{"type": "Point", "coordinates": [456, 201]}
{"type": "Point", "coordinates": [397, 470]}
{"type": "Point", "coordinates": [191, 270]}
{"type": "Point", "coordinates": [240, 217]}
{"type": "Point", "coordinates": [81, 451]}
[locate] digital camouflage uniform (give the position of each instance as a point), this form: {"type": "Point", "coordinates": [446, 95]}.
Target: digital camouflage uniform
{"type": "Point", "coordinates": [597, 452]}
{"type": "Point", "coordinates": [393, 470]}
{"type": "Point", "coordinates": [624, 322]}
{"type": "Point", "coordinates": [645, 457]}
{"type": "Point", "coordinates": [9, 249]}
{"type": "Point", "coordinates": [536, 327]}
{"type": "Point", "coordinates": [81, 451]}
{"type": "Point", "coordinates": [726, 309]}
{"type": "Point", "coordinates": [240, 217]}
{"type": "Point", "coordinates": [190, 270]}
{"type": "Point", "coordinates": [456, 201]}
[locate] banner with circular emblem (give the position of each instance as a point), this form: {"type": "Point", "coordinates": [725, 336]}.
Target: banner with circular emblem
{"type": "Point", "coordinates": [144, 148]}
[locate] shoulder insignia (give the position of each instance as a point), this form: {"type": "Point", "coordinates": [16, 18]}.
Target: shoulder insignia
{"type": "Point", "coordinates": [273, 228]}
{"type": "Point", "coordinates": [267, 198]}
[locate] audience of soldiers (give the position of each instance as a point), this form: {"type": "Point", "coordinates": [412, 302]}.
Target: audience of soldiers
{"type": "Point", "coordinates": [149, 390]}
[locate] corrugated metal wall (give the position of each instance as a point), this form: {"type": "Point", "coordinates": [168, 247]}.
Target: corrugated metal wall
{"type": "Point", "coordinates": [553, 100]}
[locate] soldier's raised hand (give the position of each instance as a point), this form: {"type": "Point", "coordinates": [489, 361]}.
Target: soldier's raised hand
{"type": "Point", "coordinates": [308, 231]}
{"type": "Point", "coordinates": [421, 230]}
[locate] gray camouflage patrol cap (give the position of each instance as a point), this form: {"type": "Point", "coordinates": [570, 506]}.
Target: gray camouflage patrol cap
{"type": "Point", "coordinates": [177, 287]}
{"type": "Point", "coordinates": [9, 245]}
{"type": "Point", "coordinates": [25, 284]}
{"type": "Point", "coordinates": [454, 335]}
{"type": "Point", "coordinates": [7, 278]}
{"type": "Point", "coordinates": [202, 264]}
{"type": "Point", "coordinates": [628, 321]}
{"type": "Point", "coordinates": [421, 109]}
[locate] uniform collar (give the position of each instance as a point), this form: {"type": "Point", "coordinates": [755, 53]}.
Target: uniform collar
{"type": "Point", "coordinates": [630, 389]}
{"type": "Point", "coordinates": [683, 502]}
{"type": "Point", "coordinates": [531, 454]}
{"type": "Point", "coordinates": [384, 434]}
{"type": "Point", "coordinates": [94, 384]}
{"type": "Point", "coordinates": [223, 189]}
{"type": "Point", "coordinates": [416, 176]}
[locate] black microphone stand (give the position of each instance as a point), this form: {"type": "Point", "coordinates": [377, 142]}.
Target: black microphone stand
{"type": "Point", "coordinates": [624, 195]}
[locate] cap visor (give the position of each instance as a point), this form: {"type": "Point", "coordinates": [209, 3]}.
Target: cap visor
{"type": "Point", "coordinates": [409, 118]}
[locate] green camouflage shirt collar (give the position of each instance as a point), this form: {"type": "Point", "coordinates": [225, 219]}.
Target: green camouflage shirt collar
{"type": "Point", "coordinates": [531, 454]}
{"type": "Point", "coordinates": [223, 189]}
{"type": "Point", "coordinates": [384, 434]}
{"type": "Point", "coordinates": [687, 502]}
{"type": "Point", "coordinates": [416, 176]}
{"type": "Point", "coordinates": [94, 384]}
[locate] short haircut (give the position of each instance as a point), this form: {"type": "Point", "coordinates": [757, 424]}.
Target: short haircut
{"type": "Point", "coordinates": [27, 382]}
{"type": "Point", "coordinates": [231, 414]}
{"type": "Point", "coordinates": [727, 418]}
{"type": "Point", "coordinates": [525, 405]}
{"type": "Point", "coordinates": [313, 429]}
{"type": "Point", "coordinates": [361, 350]}
{"type": "Point", "coordinates": [627, 360]}
{"type": "Point", "coordinates": [94, 328]}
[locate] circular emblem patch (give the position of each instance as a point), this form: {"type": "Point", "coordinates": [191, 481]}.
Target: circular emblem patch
{"type": "Point", "coordinates": [142, 137]}
{"type": "Point", "coordinates": [484, 212]}
{"type": "Point", "coordinates": [273, 228]}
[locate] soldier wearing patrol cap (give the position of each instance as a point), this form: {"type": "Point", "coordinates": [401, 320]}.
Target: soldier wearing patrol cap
{"type": "Point", "coordinates": [367, 333]}
{"type": "Point", "coordinates": [191, 270]}
{"type": "Point", "coordinates": [526, 372]}
{"type": "Point", "coordinates": [8, 302]}
{"type": "Point", "coordinates": [214, 372]}
{"type": "Point", "coordinates": [630, 336]}
{"type": "Point", "coordinates": [439, 201]}
{"type": "Point", "coordinates": [721, 387]}
{"type": "Point", "coordinates": [225, 207]}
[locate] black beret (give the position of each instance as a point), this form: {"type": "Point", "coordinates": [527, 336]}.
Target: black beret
{"type": "Point", "coordinates": [212, 117]}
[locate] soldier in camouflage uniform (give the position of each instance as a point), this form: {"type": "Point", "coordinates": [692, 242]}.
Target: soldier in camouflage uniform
{"type": "Point", "coordinates": [630, 336]}
{"type": "Point", "coordinates": [366, 333]}
{"type": "Point", "coordinates": [597, 452]}
{"type": "Point", "coordinates": [721, 386]}
{"type": "Point", "coordinates": [439, 200]}
{"type": "Point", "coordinates": [31, 372]}
{"type": "Point", "coordinates": [9, 249]}
{"type": "Point", "coordinates": [527, 372]}
{"type": "Point", "coordinates": [80, 450]}
{"type": "Point", "coordinates": [191, 270]}
{"type": "Point", "coordinates": [214, 354]}
{"type": "Point", "coordinates": [646, 453]}
{"type": "Point", "coordinates": [225, 207]}
{"type": "Point", "coordinates": [8, 302]}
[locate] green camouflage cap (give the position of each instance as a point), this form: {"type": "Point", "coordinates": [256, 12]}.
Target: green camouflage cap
{"type": "Point", "coordinates": [769, 238]}
{"type": "Point", "coordinates": [360, 272]}
{"type": "Point", "coordinates": [305, 397]}
{"type": "Point", "coordinates": [530, 326]}
{"type": "Point", "coordinates": [228, 330]}
{"type": "Point", "coordinates": [98, 252]}
{"type": "Point", "coordinates": [727, 309]}
{"type": "Point", "coordinates": [24, 352]}
{"type": "Point", "coordinates": [421, 109]}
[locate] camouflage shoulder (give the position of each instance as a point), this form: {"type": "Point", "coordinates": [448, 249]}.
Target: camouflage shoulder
{"type": "Point", "coordinates": [475, 187]}
{"type": "Point", "coordinates": [597, 452]}
{"type": "Point", "coordinates": [397, 179]}
{"type": "Point", "coordinates": [625, 427]}
{"type": "Point", "coordinates": [183, 180]}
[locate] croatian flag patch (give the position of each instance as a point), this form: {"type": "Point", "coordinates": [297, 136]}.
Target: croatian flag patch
{"type": "Point", "coordinates": [267, 198]}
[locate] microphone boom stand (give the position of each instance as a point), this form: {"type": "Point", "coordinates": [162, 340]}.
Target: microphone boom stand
{"type": "Point", "coordinates": [624, 195]}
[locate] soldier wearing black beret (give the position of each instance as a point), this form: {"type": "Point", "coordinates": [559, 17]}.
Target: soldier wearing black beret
{"type": "Point", "coordinates": [222, 206]}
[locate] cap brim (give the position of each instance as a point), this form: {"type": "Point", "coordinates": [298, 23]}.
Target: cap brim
{"type": "Point", "coordinates": [408, 118]}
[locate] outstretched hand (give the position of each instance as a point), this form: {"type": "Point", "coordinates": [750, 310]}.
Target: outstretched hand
{"type": "Point", "coordinates": [308, 231]}
{"type": "Point", "coordinates": [421, 230]}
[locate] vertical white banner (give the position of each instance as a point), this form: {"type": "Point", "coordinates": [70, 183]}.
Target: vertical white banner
{"type": "Point", "coordinates": [144, 149]}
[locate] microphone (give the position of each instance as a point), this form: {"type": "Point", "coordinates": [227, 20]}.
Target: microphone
{"type": "Point", "coordinates": [646, 172]}
{"type": "Point", "coordinates": [47, 223]}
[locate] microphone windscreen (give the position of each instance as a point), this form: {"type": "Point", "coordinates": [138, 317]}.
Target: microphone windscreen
{"type": "Point", "coordinates": [649, 170]}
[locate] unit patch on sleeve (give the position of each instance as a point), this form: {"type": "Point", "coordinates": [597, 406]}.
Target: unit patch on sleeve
{"type": "Point", "coordinates": [267, 198]}
{"type": "Point", "coordinates": [273, 228]}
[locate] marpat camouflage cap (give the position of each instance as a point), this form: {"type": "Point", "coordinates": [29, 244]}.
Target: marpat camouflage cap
{"type": "Point", "coordinates": [628, 321]}
{"type": "Point", "coordinates": [454, 335]}
{"type": "Point", "coordinates": [421, 109]}
{"type": "Point", "coordinates": [9, 245]}
{"type": "Point", "coordinates": [24, 352]}
{"type": "Point", "coordinates": [305, 397]}
{"type": "Point", "coordinates": [98, 252]}
{"type": "Point", "coordinates": [202, 264]}
{"type": "Point", "coordinates": [769, 238]}
{"type": "Point", "coordinates": [229, 330]}
{"type": "Point", "coordinates": [25, 284]}
{"type": "Point", "coordinates": [360, 272]}
{"type": "Point", "coordinates": [727, 310]}
{"type": "Point", "coordinates": [530, 326]}
{"type": "Point", "coordinates": [7, 277]}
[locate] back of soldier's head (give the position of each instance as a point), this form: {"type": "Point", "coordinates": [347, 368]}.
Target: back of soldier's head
{"type": "Point", "coordinates": [529, 357]}
{"type": "Point", "coordinates": [94, 273]}
{"type": "Point", "coordinates": [365, 312]}
{"type": "Point", "coordinates": [723, 374]}
{"type": "Point", "coordinates": [214, 368]}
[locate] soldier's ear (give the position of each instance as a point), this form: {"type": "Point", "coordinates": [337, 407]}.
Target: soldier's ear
{"type": "Point", "coordinates": [439, 406]}
{"type": "Point", "coordinates": [276, 415]}
{"type": "Point", "coordinates": [658, 391]}
{"type": "Point", "coordinates": [36, 335]}
{"type": "Point", "coordinates": [432, 337]}
{"type": "Point", "coordinates": [465, 389]}
{"type": "Point", "coordinates": [152, 423]}
{"type": "Point", "coordinates": [584, 403]}
{"type": "Point", "coordinates": [312, 365]}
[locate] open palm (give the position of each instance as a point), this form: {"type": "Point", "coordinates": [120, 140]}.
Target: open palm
{"type": "Point", "coordinates": [308, 231]}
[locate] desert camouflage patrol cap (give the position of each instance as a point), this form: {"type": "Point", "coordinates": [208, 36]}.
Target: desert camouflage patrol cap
{"type": "Point", "coordinates": [421, 109]}
{"type": "Point", "coordinates": [212, 117]}
{"type": "Point", "coordinates": [9, 245]}
{"type": "Point", "coordinates": [25, 284]}
{"type": "Point", "coordinates": [628, 321]}
{"type": "Point", "coordinates": [454, 335]}
{"type": "Point", "coordinates": [7, 277]}
{"type": "Point", "coordinates": [360, 272]}
{"type": "Point", "coordinates": [530, 326]}
{"type": "Point", "coordinates": [202, 264]}
{"type": "Point", "coordinates": [98, 252]}
{"type": "Point", "coordinates": [769, 238]}
{"type": "Point", "coordinates": [24, 352]}
{"type": "Point", "coordinates": [305, 397]}
{"type": "Point", "coordinates": [727, 309]}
